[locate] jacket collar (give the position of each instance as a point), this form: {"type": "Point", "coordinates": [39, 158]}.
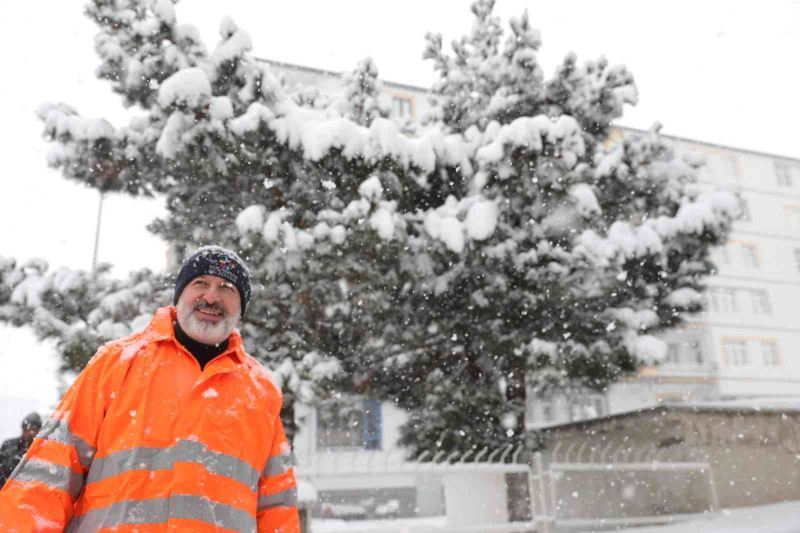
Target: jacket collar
{"type": "Point", "coordinates": [161, 328]}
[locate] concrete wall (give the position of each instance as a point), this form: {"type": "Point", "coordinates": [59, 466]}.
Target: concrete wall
{"type": "Point", "coordinates": [475, 498]}
{"type": "Point", "coordinates": [753, 455]}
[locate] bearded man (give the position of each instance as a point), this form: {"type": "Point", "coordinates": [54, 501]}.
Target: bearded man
{"type": "Point", "coordinates": [174, 428]}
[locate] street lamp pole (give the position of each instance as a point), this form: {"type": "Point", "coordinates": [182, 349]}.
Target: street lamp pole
{"type": "Point", "coordinates": [97, 229]}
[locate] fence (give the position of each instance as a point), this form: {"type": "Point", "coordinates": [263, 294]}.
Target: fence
{"type": "Point", "coordinates": [579, 486]}
{"type": "Point", "coordinates": [563, 488]}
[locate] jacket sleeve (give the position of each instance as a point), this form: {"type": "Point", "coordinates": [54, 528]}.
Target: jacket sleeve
{"type": "Point", "coordinates": [277, 489]}
{"type": "Point", "coordinates": [42, 490]}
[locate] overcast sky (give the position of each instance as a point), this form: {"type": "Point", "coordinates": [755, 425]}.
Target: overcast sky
{"type": "Point", "coordinates": [722, 71]}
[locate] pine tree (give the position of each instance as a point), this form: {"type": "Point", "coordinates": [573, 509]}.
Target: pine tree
{"type": "Point", "coordinates": [498, 249]}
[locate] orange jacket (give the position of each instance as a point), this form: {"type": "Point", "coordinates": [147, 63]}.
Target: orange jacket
{"type": "Point", "coordinates": [145, 441]}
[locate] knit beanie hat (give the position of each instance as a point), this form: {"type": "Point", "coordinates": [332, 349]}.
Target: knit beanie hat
{"type": "Point", "coordinates": [32, 421]}
{"type": "Point", "coordinates": [216, 261]}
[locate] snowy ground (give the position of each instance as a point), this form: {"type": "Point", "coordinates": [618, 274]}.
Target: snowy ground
{"type": "Point", "coordinates": [776, 518]}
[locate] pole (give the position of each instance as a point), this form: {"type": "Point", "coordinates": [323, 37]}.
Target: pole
{"type": "Point", "coordinates": [97, 230]}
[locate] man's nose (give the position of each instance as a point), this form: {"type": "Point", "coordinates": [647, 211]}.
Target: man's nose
{"type": "Point", "coordinates": [212, 295]}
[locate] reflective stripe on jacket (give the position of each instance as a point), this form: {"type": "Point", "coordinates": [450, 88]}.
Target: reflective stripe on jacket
{"type": "Point", "coordinates": [145, 441]}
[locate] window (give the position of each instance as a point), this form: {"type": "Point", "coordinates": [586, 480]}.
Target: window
{"type": "Point", "coordinates": [349, 425]}
{"type": "Point", "coordinates": [749, 254]}
{"type": "Point", "coordinates": [673, 355]}
{"type": "Point", "coordinates": [684, 353]}
{"type": "Point", "coordinates": [547, 412]}
{"type": "Point", "coordinates": [744, 205]}
{"type": "Point", "coordinates": [402, 107]}
{"type": "Point", "coordinates": [760, 300]}
{"type": "Point", "coordinates": [721, 255]}
{"type": "Point", "coordinates": [735, 352]}
{"type": "Point", "coordinates": [586, 406]}
{"type": "Point", "coordinates": [769, 353]}
{"type": "Point", "coordinates": [696, 352]}
{"type": "Point", "coordinates": [723, 300]}
{"type": "Point", "coordinates": [797, 259]}
{"type": "Point", "coordinates": [792, 213]}
{"type": "Point", "coordinates": [730, 166]}
{"type": "Point", "coordinates": [786, 173]}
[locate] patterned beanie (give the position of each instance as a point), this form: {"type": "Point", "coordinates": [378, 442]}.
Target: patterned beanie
{"type": "Point", "coordinates": [216, 261]}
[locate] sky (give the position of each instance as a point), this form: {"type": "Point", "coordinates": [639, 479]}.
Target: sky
{"type": "Point", "coordinates": [719, 71]}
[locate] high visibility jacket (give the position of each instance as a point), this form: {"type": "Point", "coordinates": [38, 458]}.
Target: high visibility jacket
{"type": "Point", "coordinates": [145, 441]}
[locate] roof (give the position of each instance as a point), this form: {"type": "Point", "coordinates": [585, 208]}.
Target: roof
{"type": "Point", "coordinates": [766, 405]}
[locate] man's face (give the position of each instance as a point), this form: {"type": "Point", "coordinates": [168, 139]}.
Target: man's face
{"type": "Point", "coordinates": [209, 309]}
{"type": "Point", "coordinates": [29, 432]}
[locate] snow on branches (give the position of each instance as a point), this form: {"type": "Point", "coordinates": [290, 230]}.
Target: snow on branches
{"type": "Point", "coordinates": [500, 246]}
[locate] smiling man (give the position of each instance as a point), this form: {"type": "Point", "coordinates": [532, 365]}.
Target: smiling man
{"type": "Point", "coordinates": [174, 428]}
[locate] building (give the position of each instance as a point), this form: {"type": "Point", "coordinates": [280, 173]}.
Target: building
{"type": "Point", "coordinates": [747, 343]}
{"type": "Point", "coordinates": [750, 447]}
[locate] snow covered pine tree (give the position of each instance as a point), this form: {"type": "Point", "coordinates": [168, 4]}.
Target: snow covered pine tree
{"type": "Point", "coordinates": [504, 246]}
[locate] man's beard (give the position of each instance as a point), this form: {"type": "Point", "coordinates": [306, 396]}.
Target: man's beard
{"type": "Point", "coordinates": [204, 331]}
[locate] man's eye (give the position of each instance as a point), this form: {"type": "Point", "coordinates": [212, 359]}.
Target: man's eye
{"type": "Point", "coordinates": [226, 286]}
{"type": "Point", "coordinates": [200, 283]}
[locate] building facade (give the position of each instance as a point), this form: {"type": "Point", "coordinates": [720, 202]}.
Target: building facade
{"type": "Point", "coordinates": [747, 342]}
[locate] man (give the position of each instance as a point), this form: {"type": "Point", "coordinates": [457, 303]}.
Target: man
{"type": "Point", "coordinates": [174, 428]}
{"type": "Point", "coordinates": [13, 449]}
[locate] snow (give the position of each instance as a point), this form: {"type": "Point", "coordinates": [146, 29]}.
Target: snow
{"type": "Point", "coordinates": [684, 297]}
{"type": "Point", "coordinates": [220, 108]}
{"type": "Point", "coordinates": [382, 222]}
{"type": "Point", "coordinates": [306, 492]}
{"type": "Point", "coordinates": [371, 189]}
{"type": "Point", "coordinates": [766, 403]}
{"type": "Point", "coordinates": [29, 291]}
{"type": "Point", "coordinates": [647, 348]}
{"type": "Point", "coordinates": [585, 198]}
{"type": "Point", "coordinates": [400, 525]}
{"type": "Point", "coordinates": [450, 231]}
{"type": "Point", "coordinates": [165, 10]}
{"type": "Point", "coordinates": [531, 133]}
{"type": "Point", "coordinates": [61, 120]}
{"type": "Point", "coordinates": [189, 86]}
{"type": "Point", "coordinates": [272, 226]}
{"type": "Point", "coordinates": [169, 142]}
{"type": "Point", "coordinates": [132, 348]}
{"type": "Point", "coordinates": [256, 115]}
{"type": "Point", "coordinates": [775, 518]}
{"type": "Point", "coordinates": [234, 44]}
{"type": "Point", "coordinates": [481, 220]}
{"type": "Point", "coordinates": [251, 219]}
{"type": "Point", "coordinates": [210, 392]}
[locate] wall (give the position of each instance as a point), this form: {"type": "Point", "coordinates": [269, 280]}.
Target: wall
{"type": "Point", "coordinates": [753, 454]}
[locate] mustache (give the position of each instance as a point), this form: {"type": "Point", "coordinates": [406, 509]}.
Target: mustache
{"type": "Point", "coordinates": [204, 306]}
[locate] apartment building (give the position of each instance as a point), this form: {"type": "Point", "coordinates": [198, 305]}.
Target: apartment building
{"type": "Point", "coordinates": [746, 344]}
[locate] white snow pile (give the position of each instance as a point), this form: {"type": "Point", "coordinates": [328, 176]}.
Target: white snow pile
{"type": "Point", "coordinates": [456, 221]}
{"type": "Point", "coordinates": [235, 43]}
{"type": "Point", "coordinates": [585, 199]}
{"type": "Point", "coordinates": [532, 133]}
{"type": "Point", "coordinates": [624, 240]}
{"type": "Point", "coordinates": [646, 348]}
{"type": "Point", "coordinates": [606, 163]}
{"type": "Point", "coordinates": [774, 518]}
{"type": "Point", "coordinates": [317, 132]}
{"type": "Point", "coordinates": [684, 297]}
{"type": "Point", "coordinates": [62, 121]}
{"type": "Point", "coordinates": [188, 86]}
